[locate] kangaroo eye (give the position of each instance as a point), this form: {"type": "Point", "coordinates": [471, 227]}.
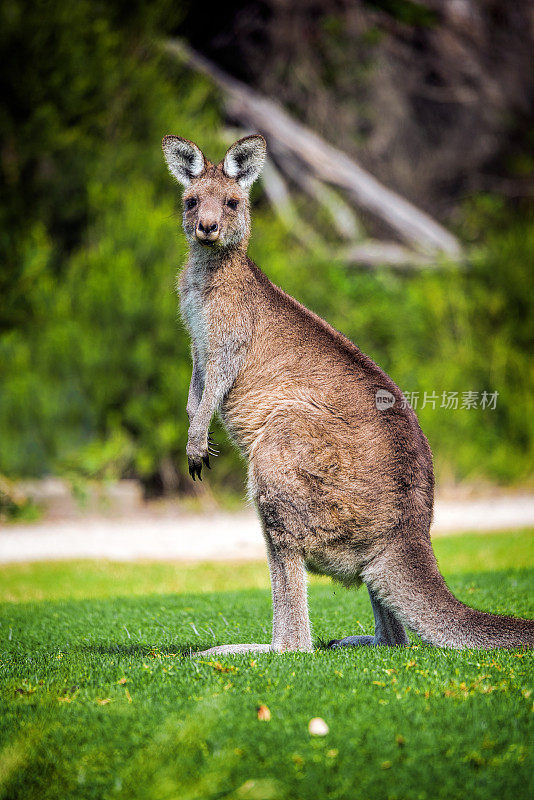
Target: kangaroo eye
{"type": "Point", "coordinates": [190, 203]}
{"type": "Point", "coordinates": [232, 203]}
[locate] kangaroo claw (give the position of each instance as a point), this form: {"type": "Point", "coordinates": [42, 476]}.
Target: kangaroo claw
{"type": "Point", "coordinates": [195, 468]}
{"type": "Point", "coordinates": [212, 449]}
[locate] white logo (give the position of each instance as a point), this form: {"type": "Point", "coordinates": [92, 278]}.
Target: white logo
{"type": "Point", "coordinates": [384, 399]}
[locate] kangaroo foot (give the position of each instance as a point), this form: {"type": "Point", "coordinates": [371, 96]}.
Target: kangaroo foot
{"type": "Point", "coordinates": [354, 641]}
{"type": "Point", "coordinates": [388, 630]}
{"type": "Point", "coordinates": [235, 649]}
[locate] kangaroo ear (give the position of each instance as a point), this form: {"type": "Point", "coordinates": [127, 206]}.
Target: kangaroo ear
{"type": "Point", "coordinates": [244, 160]}
{"type": "Point", "coordinates": [184, 159]}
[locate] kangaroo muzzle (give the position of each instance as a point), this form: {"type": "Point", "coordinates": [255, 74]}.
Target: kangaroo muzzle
{"type": "Point", "coordinates": [207, 232]}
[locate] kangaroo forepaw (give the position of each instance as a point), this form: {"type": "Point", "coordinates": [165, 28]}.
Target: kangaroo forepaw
{"type": "Point", "coordinates": [197, 452]}
{"type": "Point", "coordinates": [195, 467]}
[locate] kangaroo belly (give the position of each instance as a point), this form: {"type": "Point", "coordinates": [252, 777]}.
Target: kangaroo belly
{"type": "Point", "coordinates": [343, 564]}
{"type": "Point", "coordinates": [319, 489]}
{"type": "Point", "coordinates": [250, 414]}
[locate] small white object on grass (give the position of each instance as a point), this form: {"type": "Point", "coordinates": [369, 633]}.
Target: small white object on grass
{"type": "Point", "coordinates": [318, 727]}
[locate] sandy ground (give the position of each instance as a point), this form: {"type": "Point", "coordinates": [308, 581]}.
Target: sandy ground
{"type": "Point", "coordinates": [219, 537]}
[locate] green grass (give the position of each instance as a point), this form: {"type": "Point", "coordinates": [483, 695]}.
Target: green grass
{"type": "Point", "coordinates": [98, 702]}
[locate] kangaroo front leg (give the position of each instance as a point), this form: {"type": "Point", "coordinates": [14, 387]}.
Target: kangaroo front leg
{"type": "Point", "coordinates": [218, 380]}
{"type": "Point", "coordinates": [388, 630]}
{"type": "Point", "coordinates": [196, 388]}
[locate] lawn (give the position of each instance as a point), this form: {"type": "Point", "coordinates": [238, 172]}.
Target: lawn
{"type": "Point", "coordinates": [98, 700]}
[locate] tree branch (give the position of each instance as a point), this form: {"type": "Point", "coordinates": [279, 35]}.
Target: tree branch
{"type": "Point", "coordinates": [326, 162]}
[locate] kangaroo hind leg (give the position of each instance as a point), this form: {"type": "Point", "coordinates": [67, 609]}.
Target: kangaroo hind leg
{"type": "Point", "coordinates": [388, 629]}
{"type": "Point", "coordinates": [291, 626]}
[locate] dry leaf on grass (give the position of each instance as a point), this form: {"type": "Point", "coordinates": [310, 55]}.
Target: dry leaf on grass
{"type": "Point", "coordinates": [264, 713]}
{"type": "Point", "coordinates": [220, 668]}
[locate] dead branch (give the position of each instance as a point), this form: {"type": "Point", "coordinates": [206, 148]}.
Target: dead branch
{"type": "Point", "coordinates": [280, 199]}
{"type": "Point", "coordinates": [374, 253]}
{"type": "Point", "coordinates": [343, 217]}
{"type": "Point", "coordinates": [326, 162]}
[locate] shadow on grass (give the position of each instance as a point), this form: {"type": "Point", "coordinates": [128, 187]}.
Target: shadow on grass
{"type": "Point", "coordinates": [181, 649]}
{"type": "Point", "coordinates": [162, 625]}
{"type": "Point", "coordinates": [114, 649]}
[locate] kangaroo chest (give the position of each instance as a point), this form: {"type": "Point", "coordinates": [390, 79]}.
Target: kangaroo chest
{"type": "Point", "coordinates": [213, 310]}
{"type": "Point", "coordinates": [195, 317]}
{"type": "Point", "coordinates": [216, 310]}
{"type": "Point", "coordinates": [195, 311]}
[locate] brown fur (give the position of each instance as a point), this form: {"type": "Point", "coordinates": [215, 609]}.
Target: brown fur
{"type": "Point", "coordinates": [340, 486]}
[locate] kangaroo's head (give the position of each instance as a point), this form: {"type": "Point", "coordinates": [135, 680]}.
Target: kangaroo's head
{"type": "Point", "coordinates": [216, 205]}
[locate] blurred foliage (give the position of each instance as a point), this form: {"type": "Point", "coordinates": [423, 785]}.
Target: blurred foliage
{"type": "Point", "coordinates": [94, 365]}
{"type": "Point", "coordinates": [15, 505]}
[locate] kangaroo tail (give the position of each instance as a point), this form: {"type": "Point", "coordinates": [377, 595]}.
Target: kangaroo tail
{"type": "Point", "coordinates": [405, 576]}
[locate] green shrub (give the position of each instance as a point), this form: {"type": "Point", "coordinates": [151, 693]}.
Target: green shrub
{"type": "Point", "coordinates": [94, 365]}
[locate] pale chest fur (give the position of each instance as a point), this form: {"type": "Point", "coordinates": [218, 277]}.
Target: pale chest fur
{"type": "Point", "coordinates": [195, 319]}
{"type": "Point", "coordinates": [212, 308]}
{"type": "Point", "coordinates": [218, 308]}
{"type": "Point", "coordinates": [196, 308]}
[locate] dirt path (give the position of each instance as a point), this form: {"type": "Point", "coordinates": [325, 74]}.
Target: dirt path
{"type": "Point", "coordinates": [218, 537]}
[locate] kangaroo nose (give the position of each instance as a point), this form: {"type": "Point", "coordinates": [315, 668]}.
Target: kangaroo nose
{"type": "Point", "coordinates": [206, 227]}
{"type": "Point", "coordinates": [207, 232]}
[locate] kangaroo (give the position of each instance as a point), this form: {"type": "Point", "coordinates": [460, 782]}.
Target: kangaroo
{"type": "Point", "coordinates": [343, 484]}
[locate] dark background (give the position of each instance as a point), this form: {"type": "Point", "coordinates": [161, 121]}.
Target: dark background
{"type": "Point", "coordinates": [434, 98]}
